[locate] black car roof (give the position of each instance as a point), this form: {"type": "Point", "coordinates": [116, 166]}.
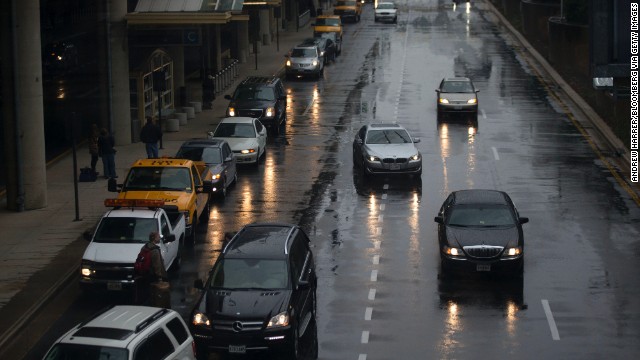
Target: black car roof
{"type": "Point", "coordinates": [480, 196]}
{"type": "Point", "coordinates": [268, 240]}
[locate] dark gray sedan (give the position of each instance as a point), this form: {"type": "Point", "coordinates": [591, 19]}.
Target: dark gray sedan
{"type": "Point", "coordinates": [386, 149]}
{"type": "Point", "coordinates": [457, 95]}
{"type": "Point", "coordinates": [480, 231]}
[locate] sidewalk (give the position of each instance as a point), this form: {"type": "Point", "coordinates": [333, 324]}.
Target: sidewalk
{"type": "Point", "coordinates": [40, 250]}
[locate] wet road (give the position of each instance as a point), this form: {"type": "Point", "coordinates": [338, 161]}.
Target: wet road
{"type": "Point", "coordinates": [375, 241]}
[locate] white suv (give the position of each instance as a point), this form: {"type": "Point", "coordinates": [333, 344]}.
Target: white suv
{"type": "Point", "coordinates": [127, 333]}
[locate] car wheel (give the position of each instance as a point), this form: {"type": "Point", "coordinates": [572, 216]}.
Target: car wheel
{"type": "Point", "coordinates": [235, 180]}
{"type": "Point", "coordinates": [294, 347]}
{"type": "Point", "coordinates": [365, 174]}
{"type": "Point", "coordinates": [313, 352]}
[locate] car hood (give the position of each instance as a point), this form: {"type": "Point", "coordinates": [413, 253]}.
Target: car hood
{"type": "Point", "coordinates": [112, 252]}
{"type": "Point", "coordinates": [469, 236]}
{"type": "Point", "coordinates": [262, 304]}
{"type": "Point", "coordinates": [251, 104]}
{"type": "Point", "coordinates": [391, 150]}
{"type": "Point", "coordinates": [238, 144]}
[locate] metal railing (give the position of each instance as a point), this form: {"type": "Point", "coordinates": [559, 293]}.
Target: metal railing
{"type": "Point", "coordinates": [225, 77]}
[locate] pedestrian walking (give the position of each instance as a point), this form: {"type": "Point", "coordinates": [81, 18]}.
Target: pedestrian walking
{"type": "Point", "coordinates": [107, 152]}
{"type": "Point", "coordinates": [93, 148]}
{"type": "Point", "coordinates": [150, 135]}
{"type": "Point", "coordinates": [149, 271]}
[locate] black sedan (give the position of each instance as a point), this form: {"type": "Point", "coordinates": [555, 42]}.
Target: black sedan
{"type": "Point", "coordinates": [327, 47]}
{"type": "Point", "coordinates": [480, 231]}
{"type": "Point", "coordinates": [217, 154]}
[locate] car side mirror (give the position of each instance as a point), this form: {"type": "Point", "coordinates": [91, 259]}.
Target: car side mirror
{"type": "Point", "coordinates": [416, 140]}
{"type": "Point", "coordinates": [303, 285]}
{"type": "Point", "coordinates": [198, 284]}
{"type": "Point", "coordinates": [112, 185]}
{"type": "Point", "coordinates": [227, 96]}
{"type": "Point", "coordinates": [438, 219]}
{"type": "Point", "coordinates": [438, 91]}
{"type": "Point", "coordinates": [524, 220]}
{"type": "Point", "coordinates": [169, 238]}
{"type": "Point", "coordinates": [477, 91]}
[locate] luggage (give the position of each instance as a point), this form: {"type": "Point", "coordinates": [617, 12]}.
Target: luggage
{"type": "Point", "coordinates": [86, 175]}
{"type": "Point", "coordinates": [161, 294]}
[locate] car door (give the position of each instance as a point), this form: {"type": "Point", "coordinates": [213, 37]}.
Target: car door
{"type": "Point", "coordinates": [230, 163]}
{"type": "Point", "coordinates": [261, 133]}
{"type": "Point", "coordinates": [169, 250]}
{"type": "Point", "coordinates": [302, 268]}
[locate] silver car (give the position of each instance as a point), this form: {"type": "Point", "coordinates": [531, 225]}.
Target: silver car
{"type": "Point", "coordinates": [305, 60]}
{"type": "Point", "coordinates": [457, 95]}
{"type": "Point", "coordinates": [386, 11]}
{"type": "Point", "coordinates": [386, 149]}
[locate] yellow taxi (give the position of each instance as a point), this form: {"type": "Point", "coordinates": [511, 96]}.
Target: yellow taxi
{"type": "Point", "coordinates": [348, 9]}
{"type": "Point", "coordinates": [328, 23]}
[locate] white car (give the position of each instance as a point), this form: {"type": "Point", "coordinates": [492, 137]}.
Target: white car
{"type": "Point", "coordinates": [386, 11]}
{"type": "Point", "coordinates": [246, 136]}
{"type": "Point", "coordinates": [127, 333]}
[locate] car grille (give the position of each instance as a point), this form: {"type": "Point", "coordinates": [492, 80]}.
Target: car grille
{"type": "Point", "coordinates": [254, 113]}
{"type": "Point", "coordinates": [237, 326]}
{"type": "Point", "coordinates": [115, 271]}
{"type": "Point", "coordinates": [483, 251]}
{"type": "Point", "coordinates": [394, 160]}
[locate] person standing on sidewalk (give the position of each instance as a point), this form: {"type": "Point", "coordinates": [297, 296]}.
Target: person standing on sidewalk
{"type": "Point", "coordinates": [208, 90]}
{"type": "Point", "coordinates": [149, 270]}
{"type": "Point", "coordinates": [150, 135]}
{"type": "Point", "coordinates": [93, 147]}
{"type": "Point", "coordinates": [107, 151]}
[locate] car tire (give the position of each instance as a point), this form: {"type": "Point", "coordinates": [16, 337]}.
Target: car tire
{"type": "Point", "coordinates": [223, 194]}
{"type": "Point", "coordinates": [313, 352]}
{"type": "Point", "coordinates": [235, 180]}
{"type": "Point", "coordinates": [202, 353]}
{"type": "Point", "coordinates": [293, 353]}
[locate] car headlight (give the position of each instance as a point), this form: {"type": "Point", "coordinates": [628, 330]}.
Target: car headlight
{"type": "Point", "coordinates": [200, 319]}
{"type": "Point", "coordinates": [444, 101]}
{"type": "Point", "coordinates": [415, 157]}
{"type": "Point", "coordinates": [270, 112]}
{"type": "Point", "coordinates": [247, 151]}
{"type": "Point", "coordinates": [321, 53]}
{"type": "Point", "coordinates": [315, 63]}
{"type": "Point", "coordinates": [279, 320]}
{"type": "Point", "coordinates": [86, 269]}
{"type": "Point", "coordinates": [472, 101]}
{"type": "Point", "coordinates": [231, 111]}
{"type": "Point", "coordinates": [453, 251]}
{"type": "Point", "coordinates": [289, 63]}
{"type": "Point", "coordinates": [512, 252]}
{"type": "Point", "coordinates": [373, 158]}
{"type": "Point", "coordinates": [216, 176]}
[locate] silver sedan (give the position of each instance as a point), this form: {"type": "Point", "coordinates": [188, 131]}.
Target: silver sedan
{"type": "Point", "coordinates": [386, 149]}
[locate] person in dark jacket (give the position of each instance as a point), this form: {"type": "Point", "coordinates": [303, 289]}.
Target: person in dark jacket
{"type": "Point", "coordinates": [107, 152]}
{"type": "Point", "coordinates": [157, 272]}
{"type": "Point", "coordinates": [150, 135]}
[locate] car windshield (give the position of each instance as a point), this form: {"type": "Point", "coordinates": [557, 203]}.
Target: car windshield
{"type": "Point", "coordinates": [235, 130]}
{"type": "Point", "coordinates": [395, 136]}
{"type": "Point", "coordinates": [85, 352]}
{"type": "Point", "coordinates": [207, 154]}
{"type": "Point", "coordinates": [258, 93]}
{"type": "Point", "coordinates": [328, 22]}
{"type": "Point", "coordinates": [158, 178]}
{"type": "Point", "coordinates": [237, 274]}
{"type": "Point", "coordinates": [457, 87]}
{"type": "Point", "coordinates": [125, 230]}
{"type": "Point", "coordinates": [386, 6]}
{"type": "Point", "coordinates": [304, 53]}
{"type": "Point", "coordinates": [481, 215]}
{"type": "Point", "coordinates": [329, 35]}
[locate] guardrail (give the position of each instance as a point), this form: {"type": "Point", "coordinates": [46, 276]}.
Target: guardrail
{"type": "Point", "coordinates": [225, 77]}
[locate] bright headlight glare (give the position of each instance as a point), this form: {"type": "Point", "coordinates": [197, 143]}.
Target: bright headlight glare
{"type": "Point", "coordinates": [453, 251]}
{"type": "Point", "coordinates": [279, 320]}
{"type": "Point", "coordinates": [215, 177]}
{"type": "Point", "coordinates": [513, 251]}
{"type": "Point", "coordinates": [270, 112]}
{"type": "Point", "coordinates": [247, 151]}
{"type": "Point", "coordinates": [444, 101]}
{"type": "Point", "coordinates": [288, 62]}
{"type": "Point", "coordinates": [231, 111]}
{"type": "Point", "coordinates": [472, 101]}
{"type": "Point", "coordinates": [85, 271]}
{"type": "Point", "coordinates": [200, 319]}
{"type": "Point", "coordinates": [315, 63]}
{"type": "Point", "coordinates": [415, 157]}
{"type": "Point", "coordinates": [372, 158]}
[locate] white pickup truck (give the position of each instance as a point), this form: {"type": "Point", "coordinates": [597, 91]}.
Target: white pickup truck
{"type": "Point", "coordinates": [108, 261]}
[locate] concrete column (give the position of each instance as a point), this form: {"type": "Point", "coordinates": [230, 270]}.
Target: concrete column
{"type": "Point", "coordinates": [265, 34]}
{"type": "Point", "coordinates": [24, 113]}
{"type": "Point", "coordinates": [217, 47]}
{"type": "Point", "coordinates": [120, 105]}
{"type": "Point", "coordinates": [243, 41]}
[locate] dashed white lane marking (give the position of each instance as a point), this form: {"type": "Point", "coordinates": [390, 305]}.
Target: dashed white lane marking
{"type": "Point", "coordinates": [484, 115]}
{"type": "Point", "coordinates": [495, 153]}
{"type": "Point", "coordinates": [382, 207]}
{"type": "Point", "coordinates": [374, 275]}
{"type": "Point", "coordinates": [384, 196]}
{"type": "Point", "coordinates": [367, 313]}
{"type": "Point", "coordinates": [552, 323]}
{"type": "Point", "coordinates": [376, 259]}
{"type": "Point", "coordinates": [378, 230]}
{"type": "Point", "coordinates": [362, 357]}
{"type": "Point", "coordinates": [309, 107]}
{"type": "Point", "coordinates": [380, 217]}
{"type": "Point", "coordinates": [372, 294]}
{"type": "Point", "coordinates": [365, 337]}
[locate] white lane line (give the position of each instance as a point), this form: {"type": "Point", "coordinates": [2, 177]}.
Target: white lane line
{"type": "Point", "coordinates": [362, 357]}
{"type": "Point", "coordinates": [382, 207]}
{"type": "Point", "coordinates": [376, 259]}
{"type": "Point", "coordinates": [378, 230]}
{"type": "Point", "coordinates": [385, 187]}
{"type": "Point", "coordinates": [372, 294]}
{"type": "Point", "coordinates": [380, 217]}
{"type": "Point", "coordinates": [374, 275]}
{"type": "Point", "coordinates": [495, 153]}
{"type": "Point", "coordinates": [484, 115]}
{"type": "Point", "coordinates": [384, 196]}
{"type": "Point", "coordinates": [308, 107]}
{"type": "Point", "coordinates": [552, 323]}
{"type": "Point", "coordinates": [365, 337]}
{"type": "Point", "coordinates": [367, 313]}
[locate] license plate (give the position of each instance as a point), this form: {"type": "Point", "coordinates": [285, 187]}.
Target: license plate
{"type": "Point", "coordinates": [114, 286]}
{"type": "Point", "coordinates": [237, 349]}
{"type": "Point", "coordinates": [483, 267]}
{"type": "Point", "coordinates": [457, 107]}
{"type": "Point", "coordinates": [394, 166]}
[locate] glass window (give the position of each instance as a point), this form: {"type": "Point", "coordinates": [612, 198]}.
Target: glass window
{"type": "Point", "coordinates": [158, 346]}
{"type": "Point", "coordinates": [125, 230]}
{"type": "Point", "coordinates": [395, 136]}
{"type": "Point", "coordinates": [481, 215]}
{"type": "Point", "coordinates": [235, 130]}
{"type": "Point", "coordinates": [457, 87]}
{"type": "Point", "coordinates": [178, 330]}
{"type": "Point", "coordinates": [85, 352]}
{"type": "Point", "coordinates": [254, 93]}
{"type": "Point", "coordinates": [249, 274]}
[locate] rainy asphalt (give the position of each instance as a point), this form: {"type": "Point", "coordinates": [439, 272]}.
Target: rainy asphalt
{"type": "Point", "coordinates": [375, 241]}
